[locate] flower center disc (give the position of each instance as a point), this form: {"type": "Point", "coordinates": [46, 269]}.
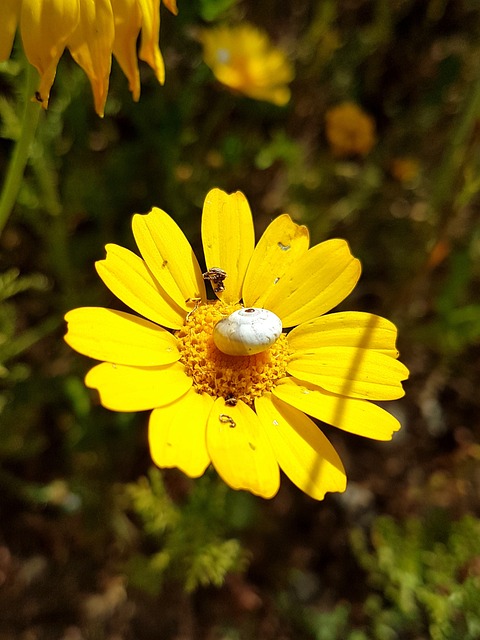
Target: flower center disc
{"type": "Point", "coordinates": [218, 374]}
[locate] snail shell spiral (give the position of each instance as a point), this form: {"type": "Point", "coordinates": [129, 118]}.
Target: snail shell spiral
{"type": "Point", "coordinates": [247, 331]}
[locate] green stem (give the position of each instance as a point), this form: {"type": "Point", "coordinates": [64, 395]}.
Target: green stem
{"type": "Point", "coordinates": [21, 152]}
{"type": "Point", "coordinates": [442, 199]}
{"type": "Point", "coordinates": [57, 235]}
{"type": "Point", "coordinates": [28, 338]}
{"type": "Point", "coordinates": [452, 162]}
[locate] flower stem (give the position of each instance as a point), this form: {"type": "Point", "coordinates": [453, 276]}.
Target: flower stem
{"type": "Point", "coordinates": [443, 196]}
{"type": "Point", "coordinates": [57, 236]}
{"type": "Point", "coordinates": [21, 152]}
{"type": "Point", "coordinates": [28, 338]}
{"type": "Point", "coordinates": [453, 160]}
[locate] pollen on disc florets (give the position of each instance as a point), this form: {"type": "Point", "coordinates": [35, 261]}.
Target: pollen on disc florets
{"type": "Point", "coordinates": [218, 374]}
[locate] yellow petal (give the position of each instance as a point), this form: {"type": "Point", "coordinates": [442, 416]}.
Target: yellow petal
{"type": "Point", "coordinates": [91, 47]}
{"type": "Point", "coordinates": [243, 59]}
{"type": "Point", "coordinates": [277, 251]}
{"type": "Point", "coordinates": [177, 434]}
{"type": "Point", "coordinates": [123, 388]}
{"type": "Point", "coordinates": [346, 329]}
{"type": "Point", "coordinates": [278, 95]}
{"type": "Point", "coordinates": [350, 414]}
{"type": "Point", "coordinates": [240, 451]}
{"type": "Point", "coordinates": [149, 49]}
{"type": "Point", "coordinates": [8, 26]}
{"type": "Point", "coordinates": [278, 68]}
{"type": "Point", "coordinates": [171, 6]}
{"type": "Point", "coordinates": [128, 21]}
{"type": "Point", "coordinates": [358, 373]}
{"type": "Point", "coordinates": [321, 279]}
{"type": "Point", "coordinates": [127, 276]}
{"type": "Point", "coordinates": [169, 256]}
{"type": "Point", "coordinates": [228, 239]}
{"type": "Point", "coordinates": [302, 451]}
{"type": "Point", "coordinates": [268, 73]}
{"type": "Point", "coordinates": [119, 337]}
{"type": "Point", "coordinates": [46, 26]}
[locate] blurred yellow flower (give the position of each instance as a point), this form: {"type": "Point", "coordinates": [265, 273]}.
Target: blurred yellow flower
{"type": "Point", "coordinates": [405, 169]}
{"type": "Point", "coordinates": [92, 31]}
{"type": "Point", "coordinates": [243, 58]}
{"type": "Point", "coordinates": [225, 385]}
{"type": "Point", "coordinates": [349, 130]}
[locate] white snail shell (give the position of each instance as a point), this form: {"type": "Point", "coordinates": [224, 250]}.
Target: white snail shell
{"type": "Point", "coordinates": [247, 331]}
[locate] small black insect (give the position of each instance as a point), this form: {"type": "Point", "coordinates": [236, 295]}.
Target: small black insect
{"type": "Point", "coordinates": [231, 401]}
{"type": "Point", "coordinates": [216, 276]}
{"type": "Point", "coordinates": [38, 96]}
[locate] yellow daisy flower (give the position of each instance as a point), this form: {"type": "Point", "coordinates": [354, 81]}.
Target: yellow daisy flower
{"type": "Point", "coordinates": [226, 383]}
{"type": "Point", "coordinates": [349, 130]}
{"type": "Point", "coordinates": [242, 58]}
{"type": "Point", "coordinates": [92, 31]}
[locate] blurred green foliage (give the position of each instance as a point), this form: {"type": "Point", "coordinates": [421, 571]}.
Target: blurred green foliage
{"type": "Point", "coordinates": [424, 581]}
{"type": "Point", "coordinates": [212, 9]}
{"type": "Point", "coordinates": [190, 538]}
